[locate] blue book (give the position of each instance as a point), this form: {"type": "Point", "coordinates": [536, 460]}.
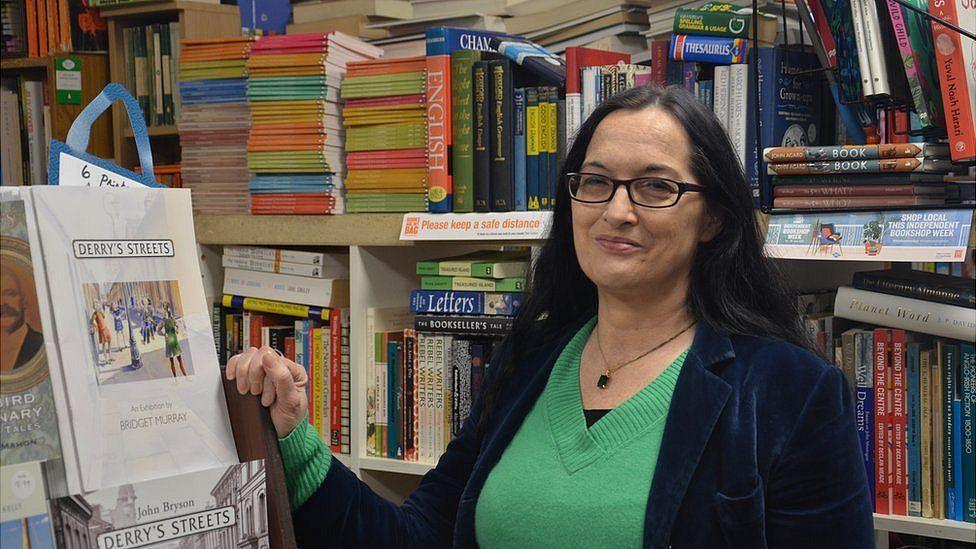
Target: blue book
{"type": "Point", "coordinates": [444, 40]}
{"type": "Point", "coordinates": [948, 355]}
{"type": "Point", "coordinates": [967, 352]}
{"type": "Point", "coordinates": [790, 95]}
{"type": "Point", "coordinates": [913, 432]}
{"type": "Point", "coordinates": [957, 513]}
{"type": "Point", "coordinates": [518, 108]}
{"type": "Point", "coordinates": [465, 303]}
{"type": "Point", "coordinates": [709, 49]}
{"type": "Point", "coordinates": [864, 400]}
{"type": "Point", "coordinates": [392, 375]}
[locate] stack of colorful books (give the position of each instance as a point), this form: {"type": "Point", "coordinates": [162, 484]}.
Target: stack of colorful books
{"type": "Point", "coordinates": [385, 115]}
{"type": "Point", "coordinates": [266, 303]}
{"type": "Point", "coordinates": [296, 131]}
{"type": "Point", "coordinates": [214, 121]}
{"type": "Point", "coordinates": [858, 176]}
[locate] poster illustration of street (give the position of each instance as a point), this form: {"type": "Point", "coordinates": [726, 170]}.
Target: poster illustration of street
{"type": "Point", "coordinates": [136, 331]}
{"type": "Point", "coordinates": [923, 235]}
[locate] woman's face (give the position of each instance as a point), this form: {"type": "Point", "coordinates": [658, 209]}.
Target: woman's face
{"type": "Point", "coordinates": [623, 247]}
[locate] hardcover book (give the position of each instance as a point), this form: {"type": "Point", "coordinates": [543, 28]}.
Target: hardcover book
{"type": "Point", "coordinates": [28, 420]}
{"type": "Point", "coordinates": [142, 398]}
{"type": "Point", "coordinates": [465, 303]}
{"type": "Point", "coordinates": [218, 507]}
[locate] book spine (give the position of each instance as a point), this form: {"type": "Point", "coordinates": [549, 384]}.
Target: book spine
{"type": "Point", "coordinates": [409, 395]}
{"type": "Point", "coordinates": [697, 22]}
{"type": "Point", "coordinates": [502, 170]}
{"type": "Point", "coordinates": [141, 68]}
{"type": "Point", "coordinates": [958, 82]}
{"type": "Point", "coordinates": [462, 108]}
{"type": "Point", "coordinates": [274, 307]}
{"type": "Point", "coordinates": [876, 191]}
{"type": "Point", "coordinates": [913, 426]}
{"type": "Point", "coordinates": [319, 292]}
{"type": "Point", "coordinates": [174, 67]}
{"type": "Point", "coordinates": [442, 392]}
{"type": "Point", "coordinates": [720, 104]}
{"type": "Point", "coordinates": [422, 390]}
{"type": "Point", "coordinates": [318, 372]}
{"type": "Point", "coordinates": [709, 49]}
{"type": "Point", "coordinates": [482, 136]}
{"type": "Point", "coordinates": [42, 33]}
{"type": "Point", "coordinates": [30, 14]}
{"type": "Point", "coordinates": [947, 356]}
{"type": "Point", "coordinates": [906, 313]}
{"type": "Point", "coordinates": [739, 86]}
{"type": "Point", "coordinates": [460, 324]}
{"type": "Point", "coordinates": [882, 463]}
{"type": "Point", "coordinates": [858, 166]}
{"type": "Point", "coordinates": [900, 28]}
{"type": "Point", "coordinates": [553, 143]}
{"type": "Point", "coordinates": [863, 58]}
{"type": "Point", "coordinates": [380, 371]}
{"type": "Point", "coordinates": [920, 38]}
{"type": "Point", "coordinates": [53, 33]}
{"type": "Point", "coordinates": [518, 144]}
{"type": "Point", "coordinates": [659, 61]}
{"type": "Point", "coordinates": [967, 355]}
{"type": "Point", "coordinates": [907, 288]}
{"type": "Point", "coordinates": [925, 438]}
{"type": "Point", "coordinates": [545, 156]}
{"type": "Point", "coordinates": [334, 362]}
{"type": "Point", "coordinates": [855, 202]}
{"type": "Point", "coordinates": [854, 152]}
{"type": "Point", "coordinates": [864, 402]}
{"type": "Point", "coordinates": [574, 115]}
{"type": "Point", "coordinates": [166, 54]}
{"type": "Point", "coordinates": [281, 267]}
{"type": "Point", "coordinates": [157, 67]}
{"type": "Point", "coordinates": [403, 418]}
{"type": "Point", "coordinates": [392, 378]}
{"type": "Point", "coordinates": [278, 255]}
{"type": "Point", "coordinates": [875, 48]}
{"type": "Point", "coordinates": [345, 395]}
{"type": "Point", "coordinates": [823, 31]}
{"type": "Point", "coordinates": [532, 149]}
{"type": "Point", "coordinates": [938, 446]}
{"type": "Point", "coordinates": [219, 329]}
{"type": "Point", "coordinates": [898, 425]}
{"type": "Point", "coordinates": [439, 187]}
{"type": "Point", "coordinates": [470, 303]}
{"type": "Point", "coordinates": [64, 26]}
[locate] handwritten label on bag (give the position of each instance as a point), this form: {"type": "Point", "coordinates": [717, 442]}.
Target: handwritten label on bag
{"type": "Point", "coordinates": [74, 171]}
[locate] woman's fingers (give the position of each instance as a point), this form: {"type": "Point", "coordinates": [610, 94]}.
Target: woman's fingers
{"type": "Point", "coordinates": [268, 393]}
{"type": "Point", "coordinates": [255, 373]}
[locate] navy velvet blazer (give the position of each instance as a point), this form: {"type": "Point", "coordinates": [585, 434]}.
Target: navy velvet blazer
{"type": "Point", "coordinates": [759, 449]}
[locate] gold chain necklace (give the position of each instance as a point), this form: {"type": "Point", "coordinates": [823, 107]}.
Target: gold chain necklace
{"type": "Point", "coordinates": [608, 371]}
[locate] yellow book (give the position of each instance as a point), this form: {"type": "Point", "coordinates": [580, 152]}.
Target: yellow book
{"type": "Point", "coordinates": [318, 396]}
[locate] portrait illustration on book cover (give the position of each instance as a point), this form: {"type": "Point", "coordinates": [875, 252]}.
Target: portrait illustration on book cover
{"type": "Point", "coordinates": [136, 331]}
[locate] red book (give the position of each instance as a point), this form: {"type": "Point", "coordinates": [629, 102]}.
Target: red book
{"type": "Point", "coordinates": [882, 440]}
{"type": "Point", "coordinates": [439, 137]}
{"type": "Point", "coordinates": [53, 32]}
{"type": "Point", "coordinates": [897, 126]}
{"type": "Point", "coordinates": [957, 87]}
{"type": "Point", "coordinates": [290, 348]}
{"type": "Point", "coordinates": [899, 425]}
{"type": "Point", "coordinates": [64, 26]}
{"type": "Point", "coordinates": [659, 62]}
{"type": "Point", "coordinates": [857, 190]}
{"type": "Point", "coordinates": [335, 378]}
{"type": "Point", "coordinates": [31, 15]}
{"type": "Point", "coordinates": [823, 31]}
{"type": "Point", "coordinates": [578, 58]}
{"type": "Point", "coordinates": [42, 43]}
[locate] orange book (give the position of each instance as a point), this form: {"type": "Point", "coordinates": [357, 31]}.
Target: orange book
{"type": "Point", "coordinates": [957, 88]}
{"type": "Point", "coordinates": [64, 26]}
{"type": "Point", "coordinates": [31, 16]}
{"type": "Point", "coordinates": [53, 33]}
{"type": "Point", "coordinates": [42, 27]}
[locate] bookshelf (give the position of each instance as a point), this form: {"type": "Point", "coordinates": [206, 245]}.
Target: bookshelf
{"type": "Point", "coordinates": [196, 20]}
{"type": "Point", "coordinates": [94, 77]}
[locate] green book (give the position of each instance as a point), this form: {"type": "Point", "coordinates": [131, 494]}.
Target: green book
{"type": "Point", "coordinates": [471, 284]}
{"type": "Point", "coordinates": [920, 37]}
{"type": "Point", "coordinates": [462, 129]}
{"type": "Point", "coordinates": [372, 203]}
{"type": "Point", "coordinates": [483, 264]}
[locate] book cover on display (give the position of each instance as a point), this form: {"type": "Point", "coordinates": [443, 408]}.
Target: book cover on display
{"type": "Point", "coordinates": [28, 421]}
{"type": "Point", "coordinates": [24, 519]}
{"type": "Point", "coordinates": [139, 380]}
{"type": "Point", "coordinates": [219, 507]}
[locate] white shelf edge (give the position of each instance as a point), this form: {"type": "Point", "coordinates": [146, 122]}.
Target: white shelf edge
{"type": "Point", "coordinates": [936, 528]}
{"type": "Point", "coordinates": [388, 465]}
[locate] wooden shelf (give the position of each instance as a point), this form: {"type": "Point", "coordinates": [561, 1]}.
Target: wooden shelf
{"type": "Point", "coordinates": [394, 466]}
{"type": "Point", "coordinates": [300, 230]}
{"type": "Point", "coordinates": [22, 63]}
{"type": "Point", "coordinates": [155, 131]}
{"type": "Point", "coordinates": [936, 528]}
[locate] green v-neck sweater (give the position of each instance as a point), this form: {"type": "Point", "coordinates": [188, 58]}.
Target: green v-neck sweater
{"type": "Point", "coordinates": [559, 484]}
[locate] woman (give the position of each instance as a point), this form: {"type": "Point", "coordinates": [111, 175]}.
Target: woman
{"type": "Point", "coordinates": [173, 349]}
{"type": "Point", "coordinates": [656, 389]}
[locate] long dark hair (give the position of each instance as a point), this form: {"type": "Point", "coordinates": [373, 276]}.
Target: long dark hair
{"type": "Point", "coordinates": [734, 288]}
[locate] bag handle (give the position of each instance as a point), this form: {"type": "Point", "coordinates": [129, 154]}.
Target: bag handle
{"type": "Point", "coordinates": [80, 130]}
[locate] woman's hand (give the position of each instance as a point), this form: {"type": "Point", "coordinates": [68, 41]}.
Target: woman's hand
{"type": "Point", "coordinates": [279, 381]}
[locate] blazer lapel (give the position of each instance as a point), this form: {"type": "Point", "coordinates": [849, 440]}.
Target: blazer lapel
{"type": "Point", "coordinates": [698, 400]}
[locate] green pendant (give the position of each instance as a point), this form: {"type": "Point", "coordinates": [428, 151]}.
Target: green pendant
{"type": "Point", "coordinates": [604, 379]}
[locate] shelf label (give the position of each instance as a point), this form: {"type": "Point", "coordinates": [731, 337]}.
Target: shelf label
{"type": "Point", "coordinates": [476, 226]}
{"type": "Point", "coordinates": [919, 235]}
{"type": "Point", "coordinates": [67, 80]}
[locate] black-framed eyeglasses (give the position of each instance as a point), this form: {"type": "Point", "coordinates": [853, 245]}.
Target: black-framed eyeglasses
{"type": "Point", "coordinates": [649, 192]}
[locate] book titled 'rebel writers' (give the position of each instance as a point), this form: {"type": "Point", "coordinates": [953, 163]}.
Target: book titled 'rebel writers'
{"type": "Point", "coordinates": [137, 386]}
